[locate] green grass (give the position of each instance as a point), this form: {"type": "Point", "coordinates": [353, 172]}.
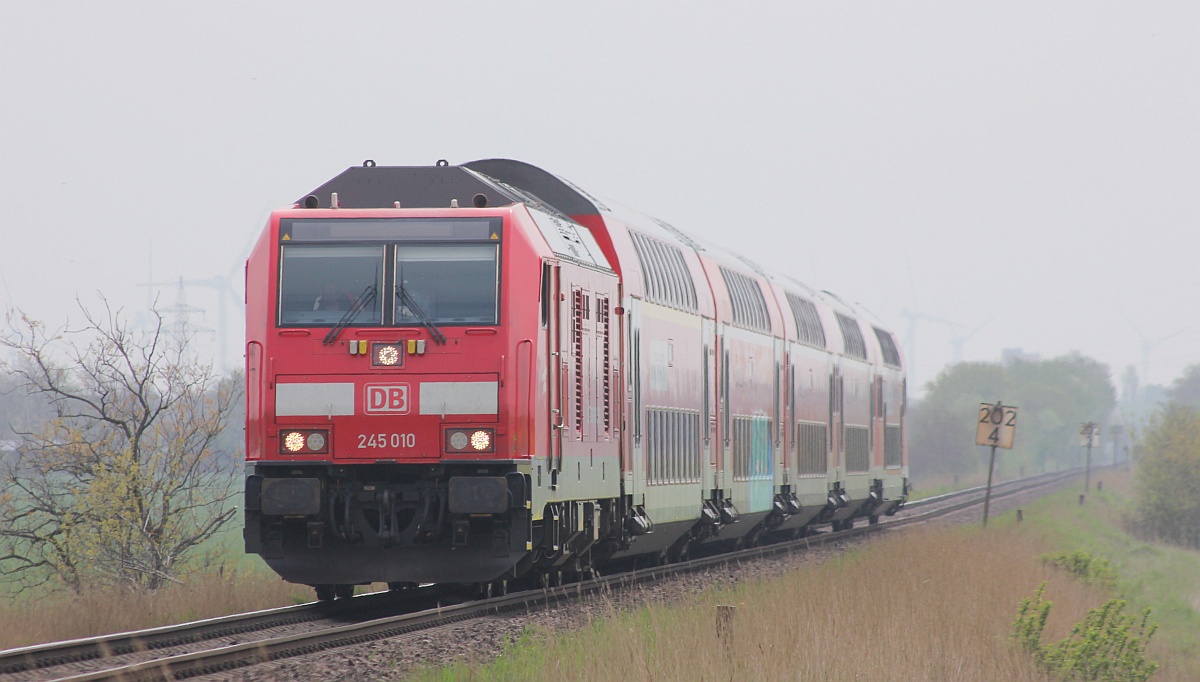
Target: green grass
{"type": "Point", "coordinates": [1162, 577]}
{"type": "Point", "coordinates": [666, 642]}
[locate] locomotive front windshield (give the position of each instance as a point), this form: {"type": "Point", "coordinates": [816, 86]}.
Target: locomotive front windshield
{"type": "Point", "coordinates": [448, 283]}
{"type": "Point", "coordinates": [428, 271]}
{"type": "Point", "coordinates": [321, 283]}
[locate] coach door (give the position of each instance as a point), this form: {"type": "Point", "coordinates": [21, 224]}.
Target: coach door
{"type": "Point", "coordinates": [634, 462]}
{"type": "Point", "coordinates": [556, 365]}
{"type": "Point", "coordinates": [708, 423]}
{"type": "Point", "coordinates": [724, 410]}
{"type": "Point", "coordinates": [835, 420]}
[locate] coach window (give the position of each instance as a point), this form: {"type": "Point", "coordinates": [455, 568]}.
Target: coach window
{"type": "Point", "coordinates": [449, 283]}
{"type": "Point", "coordinates": [320, 283]}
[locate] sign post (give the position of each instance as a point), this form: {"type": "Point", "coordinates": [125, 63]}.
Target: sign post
{"type": "Point", "coordinates": [1116, 430]}
{"type": "Point", "coordinates": [996, 426]}
{"type": "Point", "coordinates": [1089, 435]}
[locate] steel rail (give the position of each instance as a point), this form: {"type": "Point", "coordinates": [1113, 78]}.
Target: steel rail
{"type": "Point", "coordinates": [52, 654]}
{"type": "Point", "coordinates": [256, 652]}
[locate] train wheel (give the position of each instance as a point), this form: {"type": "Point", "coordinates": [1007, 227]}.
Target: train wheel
{"type": "Point", "coordinates": [486, 590]}
{"type": "Point", "coordinates": [500, 588]}
{"type": "Point", "coordinates": [325, 592]}
{"type": "Point", "coordinates": [343, 591]}
{"type": "Point", "coordinates": [873, 519]}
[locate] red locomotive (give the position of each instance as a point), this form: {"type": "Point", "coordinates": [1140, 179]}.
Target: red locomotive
{"type": "Point", "coordinates": [476, 373]}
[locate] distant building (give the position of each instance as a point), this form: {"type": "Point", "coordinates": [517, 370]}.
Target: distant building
{"type": "Point", "coordinates": [8, 450]}
{"type": "Point", "coordinates": [1010, 355]}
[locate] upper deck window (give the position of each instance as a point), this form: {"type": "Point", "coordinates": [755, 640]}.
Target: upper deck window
{"type": "Point", "coordinates": [809, 329]}
{"type": "Point", "coordinates": [749, 306]}
{"type": "Point", "coordinates": [887, 344]}
{"type": "Point", "coordinates": [852, 336]}
{"type": "Point", "coordinates": [403, 272]}
{"type": "Point", "coordinates": [665, 272]}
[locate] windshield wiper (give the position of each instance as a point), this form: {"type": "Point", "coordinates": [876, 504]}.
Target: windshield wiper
{"type": "Point", "coordinates": [364, 299]}
{"type": "Point", "coordinates": [407, 300]}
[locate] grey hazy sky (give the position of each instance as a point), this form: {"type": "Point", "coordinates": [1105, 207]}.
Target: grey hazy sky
{"type": "Point", "coordinates": [1030, 167]}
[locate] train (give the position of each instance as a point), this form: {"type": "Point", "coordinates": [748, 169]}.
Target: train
{"type": "Point", "coordinates": [481, 373]}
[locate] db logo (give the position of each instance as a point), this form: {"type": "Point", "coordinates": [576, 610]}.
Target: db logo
{"type": "Point", "coordinates": [387, 399]}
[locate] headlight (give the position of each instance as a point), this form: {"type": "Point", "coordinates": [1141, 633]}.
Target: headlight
{"type": "Point", "coordinates": [315, 441]}
{"type": "Point", "coordinates": [481, 440]}
{"type": "Point", "coordinates": [470, 440]}
{"type": "Point", "coordinates": [304, 442]}
{"type": "Point", "coordinates": [293, 441]}
{"type": "Point", "coordinates": [387, 355]}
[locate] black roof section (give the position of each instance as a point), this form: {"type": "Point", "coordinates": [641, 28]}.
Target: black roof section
{"type": "Point", "coordinates": [371, 186]}
{"type": "Point", "coordinates": [546, 187]}
{"type": "Point", "coordinates": [497, 181]}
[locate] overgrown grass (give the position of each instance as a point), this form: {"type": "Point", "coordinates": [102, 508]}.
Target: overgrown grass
{"type": "Point", "coordinates": [925, 605]}
{"type": "Point", "coordinates": [69, 616]}
{"type": "Point", "coordinates": [234, 582]}
{"type": "Point", "coordinates": [934, 604]}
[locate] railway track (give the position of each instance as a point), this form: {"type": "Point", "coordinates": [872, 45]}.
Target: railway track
{"type": "Point", "coordinates": [241, 640]}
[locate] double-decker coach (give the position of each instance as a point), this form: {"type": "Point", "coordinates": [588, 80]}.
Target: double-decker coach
{"type": "Point", "coordinates": [477, 373]}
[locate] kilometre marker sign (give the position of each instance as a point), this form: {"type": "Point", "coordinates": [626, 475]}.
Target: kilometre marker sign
{"type": "Point", "coordinates": [996, 425]}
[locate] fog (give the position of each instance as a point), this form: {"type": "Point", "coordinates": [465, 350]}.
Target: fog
{"type": "Point", "coordinates": [1000, 175]}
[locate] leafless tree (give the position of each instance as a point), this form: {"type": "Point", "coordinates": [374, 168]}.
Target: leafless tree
{"type": "Point", "coordinates": [125, 482]}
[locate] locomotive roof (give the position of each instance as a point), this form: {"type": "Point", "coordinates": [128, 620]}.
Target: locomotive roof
{"type": "Point", "coordinates": [371, 186]}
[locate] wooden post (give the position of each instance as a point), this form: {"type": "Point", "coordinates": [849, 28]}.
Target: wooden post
{"type": "Point", "coordinates": [725, 627]}
{"type": "Point", "coordinates": [1020, 516]}
{"type": "Point", "coordinates": [1087, 470]}
{"type": "Point", "coordinates": [987, 497]}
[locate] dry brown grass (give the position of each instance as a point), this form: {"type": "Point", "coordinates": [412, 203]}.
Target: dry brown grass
{"type": "Point", "coordinates": [29, 621]}
{"type": "Point", "coordinates": [924, 605]}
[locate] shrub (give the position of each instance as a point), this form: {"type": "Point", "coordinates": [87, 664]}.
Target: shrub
{"type": "Point", "coordinates": [1107, 645]}
{"type": "Point", "coordinates": [1090, 569]}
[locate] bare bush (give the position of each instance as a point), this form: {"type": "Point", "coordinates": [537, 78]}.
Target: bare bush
{"type": "Point", "coordinates": [125, 481]}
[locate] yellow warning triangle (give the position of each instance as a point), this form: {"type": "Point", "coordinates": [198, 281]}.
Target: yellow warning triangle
{"type": "Point", "coordinates": [495, 236]}
{"type": "Point", "coordinates": [287, 237]}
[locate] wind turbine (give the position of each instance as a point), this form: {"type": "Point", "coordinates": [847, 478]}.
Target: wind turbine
{"type": "Point", "coordinates": [1148, 346]}
{"type": "Point", "coordinates": [958, 339]}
